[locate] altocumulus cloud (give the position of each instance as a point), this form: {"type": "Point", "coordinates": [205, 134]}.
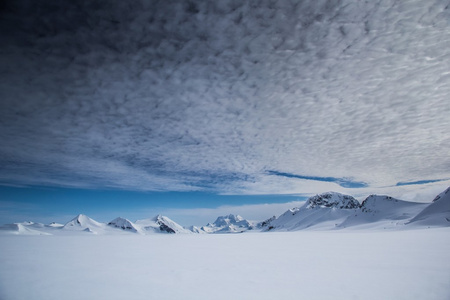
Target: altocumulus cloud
{"type": "Point", "coordinates": [212, 95]}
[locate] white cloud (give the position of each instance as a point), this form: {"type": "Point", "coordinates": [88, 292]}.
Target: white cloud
{"type": "Point", "coordinates": [214, 96]}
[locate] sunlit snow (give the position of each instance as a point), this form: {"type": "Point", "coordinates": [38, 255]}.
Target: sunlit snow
{"type": "Point", "coordinates": [343, 264]}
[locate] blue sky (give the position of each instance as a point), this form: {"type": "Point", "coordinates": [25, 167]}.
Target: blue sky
{"type": "Point", "coordinates": [223, 103]}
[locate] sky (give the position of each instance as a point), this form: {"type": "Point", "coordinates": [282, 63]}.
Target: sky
{"type": "Point", "coordinates": [190, 107]}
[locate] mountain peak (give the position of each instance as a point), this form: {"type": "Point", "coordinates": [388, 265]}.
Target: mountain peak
{"type": "Point", "coordinates": [228, 223]}
{"type": "Point", "coordinates": [161, 223]}
{"type": "Point", "coordinates": [124, 224]}
{"type": "Point", "coordinates": [331, 200]}
{"type": "Point", "coordinates": [378, 201]}
{"type": "Point", "coordinates": [82, 221]}
{"type": "Point", "coordinates": [229, 219]}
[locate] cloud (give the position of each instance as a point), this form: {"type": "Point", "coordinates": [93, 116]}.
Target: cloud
{"type": "Point", "coordinates": [212, 96]}
{"type": "Point", "coordinates": [344, 182]}
{"type": "Point", "coordinates": [420, 182]}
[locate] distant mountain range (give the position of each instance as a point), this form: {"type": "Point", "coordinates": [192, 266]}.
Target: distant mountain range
{"type": "Point", "coordinates": [327, 211]}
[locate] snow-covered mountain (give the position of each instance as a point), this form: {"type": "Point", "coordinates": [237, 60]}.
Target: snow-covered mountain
{"type": "Point", "coordinates": [437, 213]}
{"type": "Point", "coordinates": [161, 224]}
{"type": "Point", "coordinates": [82, 222]}
{"type": "Point", "coordinates": [195, 229]}
{"type": "Point", "coordinates": [324, 211]}
{"type": "Point", "coordinates": [228, 224]}
{"type": "Point", "coordinates": [265, 223]}
{"type": "Point", "coordinates": [380, 211]}
{"type": "Point", "coordinates": [125, 224]}
{"type": "Point", "coordinates": [333, 211]}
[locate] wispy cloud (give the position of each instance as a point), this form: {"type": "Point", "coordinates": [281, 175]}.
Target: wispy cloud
{"type": "Point", "coordinates": [344, 182]}
{"type": "Point", "coordinates": [420, 182]}
{"type": "Point", "coordinates": [119, 95]}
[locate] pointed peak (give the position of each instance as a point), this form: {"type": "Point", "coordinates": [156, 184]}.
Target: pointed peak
{"type": "Point", "coordinates": [158, 217]}
{"type": "Point", "coordinates": [124, 224]}
{"type": "Point", "coordinates": [82, 221]}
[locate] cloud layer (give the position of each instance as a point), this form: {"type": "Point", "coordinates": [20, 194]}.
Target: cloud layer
{"type": "Point", "coordinates": [194, 95]}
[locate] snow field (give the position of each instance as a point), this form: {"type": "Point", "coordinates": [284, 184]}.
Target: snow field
{"type": "Point", "coordinates": [344, 264]}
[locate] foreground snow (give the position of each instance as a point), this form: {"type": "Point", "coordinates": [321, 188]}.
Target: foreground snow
{"type": "Point", "coordinates": [345, 264]}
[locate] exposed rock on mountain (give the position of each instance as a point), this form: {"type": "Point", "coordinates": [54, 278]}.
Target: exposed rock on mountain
{"type": "Point", "coordinates": [228, 224]}
{"type": "Point", "coordinates": [124, 224]}
{"type": "Point", "coordinates": [161, 224]}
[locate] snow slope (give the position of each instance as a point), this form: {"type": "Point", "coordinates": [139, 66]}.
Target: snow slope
{"type": "Point", "coordinates": [379, 211]}
{"type": "Point", "coordinates": [22, 229]}
{"type": "Point", "coordinates": [437, 213]}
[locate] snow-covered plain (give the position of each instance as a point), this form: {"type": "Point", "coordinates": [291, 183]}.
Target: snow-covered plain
{"type": "Point", "coordinates": [344, 264]}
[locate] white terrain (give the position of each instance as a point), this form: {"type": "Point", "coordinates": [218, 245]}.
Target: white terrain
{"type": "Point", "coordinates": [333, 247]}
{"type": "Point", "coordinates": [228, 97]}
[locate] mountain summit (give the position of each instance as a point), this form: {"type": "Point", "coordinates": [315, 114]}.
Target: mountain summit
{"type": "Point", "coordinates": [161, 224]}
{"type": "Point", "coordinates": [332, 199]}
{"type": "Point", "coordinates": [124, 224]}
{"type": "Point", "coordinates": [81, 221]}
{"type": "Point", "coordinates": [228, 224]}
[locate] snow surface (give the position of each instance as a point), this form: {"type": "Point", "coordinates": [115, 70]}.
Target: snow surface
{"type": "Point", "coordinates": [437, 213]}
{"type": "Point", "coordinates": [19, 228]}
{"type": "Point", "coordinates": [345, 264]}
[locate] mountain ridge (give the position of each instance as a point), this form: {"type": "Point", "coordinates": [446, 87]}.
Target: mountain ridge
{"type": "Point", "coordinates": [326, 211]}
